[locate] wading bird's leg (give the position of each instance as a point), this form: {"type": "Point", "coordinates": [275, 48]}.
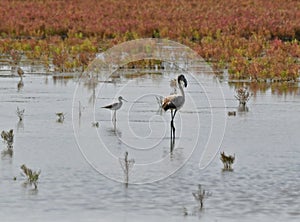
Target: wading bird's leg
{"type": "Point", "coordinates": [172, 130]}
{"type": "Point", "coordinates": [172, 123]}
{"type": "Point", "coordinates": [171, 145]}
{"type": "Point", "coordinates": [114, 118]}
{"type": "Point", "coordinates": [173, 127]}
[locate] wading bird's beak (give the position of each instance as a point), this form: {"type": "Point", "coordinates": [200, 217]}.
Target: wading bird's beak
{"type": "Point", "coordinates": [124, 100]}
{"type": "Point", "coordinates": [182, 78]}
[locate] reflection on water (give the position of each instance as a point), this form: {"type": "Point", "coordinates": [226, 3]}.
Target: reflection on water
{"type": "Point", "coordinates": [276, 88]}
{"type": "Point", "coordinates": [20, 85]}
{"type": "Point", "coordinates": [264, 185]}
{"type": "Point", "coordinates": [8, 152]}
{"type": "Point", "coordinates": [243, 108]}
{"type": "Point", "coordinates": [20, 125]}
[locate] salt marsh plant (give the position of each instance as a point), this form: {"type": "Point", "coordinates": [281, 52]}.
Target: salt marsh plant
{"type": "Point", "coordinates": [20, 113]}
{"type": "Point", "coordinates": [126, 165]}
{"type": "Point", "coordinates": [8, 138]}
{"type": "Point", "coordinates": [32, 176]}
{"type": "Point", "coordinates": [201, 195]}
{"type": "Point", "coordinates": [60, 117]}
{"type": "Point", "coordinates": [95, 124]}
{"type": "Point", "coordinates": [79, 109]}
{"type": "Point", "coordinates": [227, 161]}
{"type": "Point", "coordinates": [257, 52]}
{"type": "Point", "coordinates": [242, 95]}
{"type": "Point", "coordinates": [231, 113]}
{"type": "Point", "coordinates": [185, 211]}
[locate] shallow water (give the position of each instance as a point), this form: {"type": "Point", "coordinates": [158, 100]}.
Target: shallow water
{"type": "Point", "coordinates": [81, 175]}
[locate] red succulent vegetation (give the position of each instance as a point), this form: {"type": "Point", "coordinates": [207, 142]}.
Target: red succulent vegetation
{"type": "Point", "coordinates": [254, 39]}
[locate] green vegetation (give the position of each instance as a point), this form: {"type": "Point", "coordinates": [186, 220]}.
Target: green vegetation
{"type": "Point", "coordinates": [242, 95]}
{"type": "Point", "coordinates": [227, 161]}
{"type": "Point", "coordinates": [20, 113]}
{"type": "Point", "coordinates": [8, 138]}
{"type": "Point", "coordinates": [60, 117]}
{"type": "Point", "coordinates": [32, 176]}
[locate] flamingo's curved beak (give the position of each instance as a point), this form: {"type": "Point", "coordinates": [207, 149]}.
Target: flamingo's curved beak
{"type": "Point", "coordinates": [182, 78]}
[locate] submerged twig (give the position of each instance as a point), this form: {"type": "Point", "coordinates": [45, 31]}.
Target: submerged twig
{"type": "Point", "coordinates": [126, 165]}
{"type": "Point", "coordinates": [201, 195]}
{"type": "Point", "coordinates": [95, 124]}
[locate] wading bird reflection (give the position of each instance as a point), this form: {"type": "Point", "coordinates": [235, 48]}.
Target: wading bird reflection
{"type": "Point", "coordinates": [174, 103]}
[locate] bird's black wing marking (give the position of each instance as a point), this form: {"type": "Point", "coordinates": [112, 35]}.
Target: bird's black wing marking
{"type": "Point", "coordinates": [169, 105]}
{"type": "Point", "coordinates": [108, 106]}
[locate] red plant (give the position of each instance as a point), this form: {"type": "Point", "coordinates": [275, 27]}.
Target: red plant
{"type": "Point", "coordinates": [250, 37]}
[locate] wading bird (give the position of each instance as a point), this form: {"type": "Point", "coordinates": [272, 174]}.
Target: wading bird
{"type": "Point", "coordinates": [115, 107]}
{"type": "Point", "coordinates": [175, 102]}
{"type": "Point", "coordinates": [20, 72]}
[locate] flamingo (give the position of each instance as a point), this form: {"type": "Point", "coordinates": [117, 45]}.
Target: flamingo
{"type": "Point", "coordinates": [174, 103]}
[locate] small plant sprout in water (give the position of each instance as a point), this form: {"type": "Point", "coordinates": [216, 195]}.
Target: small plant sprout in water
{"type": "Point", "coordinates": [60, 117]}
{"type": "Point", "coordinates": [95, 124]}
{"type": "Point", "coordinates": [126, 165]}
{"type": "Point", "coordinates": [185, 211]}
{"type": "Point", "coordinates": [231, 113]}
{"type": "Point", "coordinates": [8, 138]}
{"type": "Point", "coordinates": [227, 161]}
{"type": "Point", "coordinates": [80, 109]}
{"type": "Point", "coordinates": [201, 195]}
{"type": "Point", "coordinates": [32, 176]}
{"type": "Point", "coordinates": [20, 113]}
{"type": "Point", "coordinates": [243, 96]}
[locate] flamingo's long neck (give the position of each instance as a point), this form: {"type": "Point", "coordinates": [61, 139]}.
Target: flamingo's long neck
{"type": "Point", "coordinates": [181, 90]}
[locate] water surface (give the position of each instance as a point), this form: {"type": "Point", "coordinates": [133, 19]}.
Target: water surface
{"type": "Point", "coordinates": [81, 175]}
